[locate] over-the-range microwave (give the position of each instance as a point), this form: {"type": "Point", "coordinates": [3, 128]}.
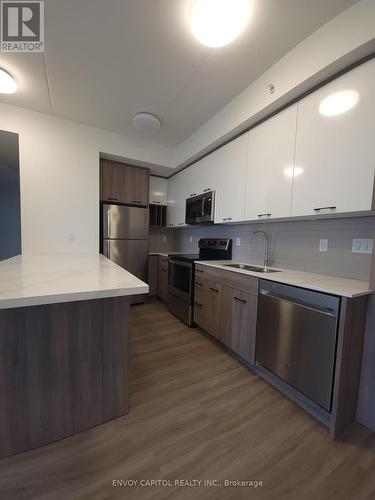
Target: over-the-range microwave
{"type": "Point", "coordinates": [200, 209]}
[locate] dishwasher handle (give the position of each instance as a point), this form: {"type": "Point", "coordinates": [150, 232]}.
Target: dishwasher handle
{"type": "Point", "coordinates": [326, 311]}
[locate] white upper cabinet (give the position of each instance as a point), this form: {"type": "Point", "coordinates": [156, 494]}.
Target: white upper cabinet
{"type": "Point", "coordinates": [335, 153]}
{"type": "Point", "coordinates": [158, 190]}
{"type": "Point", "coordinates": [269, 181]}
{"type": "Point", "coordinates": [178, 189]}
{"type": "Point", "coordinates": [226, 168]}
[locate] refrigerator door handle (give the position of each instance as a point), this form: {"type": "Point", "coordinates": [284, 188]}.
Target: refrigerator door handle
{"type": "Point", "coordinates": [107, 250]}
{"type": "Point", "coordinates": [108, 224]}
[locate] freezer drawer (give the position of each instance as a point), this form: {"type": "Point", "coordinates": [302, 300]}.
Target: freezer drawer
{"type": "Point", "coordinates": [121, 222]}
{"type": "Point", "coordinates": [296, 338]}
{"type": "Point", "coordinates": [130, 254]}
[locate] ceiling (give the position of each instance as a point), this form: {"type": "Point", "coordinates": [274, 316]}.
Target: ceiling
{"type": "Point", "coordinates": [106, 60]}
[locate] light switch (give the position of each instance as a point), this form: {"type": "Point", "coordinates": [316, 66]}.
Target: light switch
{"type": "Point", "coordinates": [323, 245]}
{"type": "Point", "coordinates": [71, 237]}
{"type": "Point", "coordinates": [164, 238]}
{"type": "Point", "coordinates": [363, 245]}
{"type": "Point", "coordinates": [238, 242]}
{"type": "Point", "coordinates": [191, 239]}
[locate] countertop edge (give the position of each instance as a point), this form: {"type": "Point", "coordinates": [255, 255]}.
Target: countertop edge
{"type": "Point", "coordinates": [279, 279]}
{"type": "Point", "coordinates": [13, 303]}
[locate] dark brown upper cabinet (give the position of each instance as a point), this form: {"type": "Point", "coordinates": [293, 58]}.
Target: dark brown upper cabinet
{"type": "Point", "coordinates": [121, 183]}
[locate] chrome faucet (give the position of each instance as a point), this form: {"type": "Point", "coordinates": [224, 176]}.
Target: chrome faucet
{"type": "Point", "coordinates": [266, 245]}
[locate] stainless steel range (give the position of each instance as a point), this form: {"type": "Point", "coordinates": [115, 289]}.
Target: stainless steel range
{"type": "Point", "coordinates": [181, 275]}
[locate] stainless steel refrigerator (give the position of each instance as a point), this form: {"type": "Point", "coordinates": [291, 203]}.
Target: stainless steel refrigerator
{"type": "Point", "coordinates": [125, 237]}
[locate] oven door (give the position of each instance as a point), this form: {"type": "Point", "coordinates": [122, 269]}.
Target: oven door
{"type": "Point", "coordinates": [180, 280]}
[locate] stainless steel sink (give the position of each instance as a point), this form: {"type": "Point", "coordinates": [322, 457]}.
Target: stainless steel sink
{"type": "Point", "coordinates": [255, 269]}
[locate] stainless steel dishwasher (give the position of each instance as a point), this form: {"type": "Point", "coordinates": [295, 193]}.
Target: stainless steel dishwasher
{"type": "Point", "coordinates": [296, 338]}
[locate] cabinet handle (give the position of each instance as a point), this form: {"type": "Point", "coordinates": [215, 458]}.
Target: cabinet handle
{"type": "Point", "coordinates": [199, 284]}
{"type": "Point", "coordinates": [240, 300]}
{"type": "Point", "coordinates": [264, 215]}
{"type": "Point", "coordinates": [323, 208]}
{"type": "Point", "coordinates": [171, 224]}
{"type": "Point", "coordinates": [135, 201]}
{"type": "Point", "coordinates": [214, 290]}
{"type": "Point", "coordinates": [206, 190]}
{"type": "Point", "coordinates": [163, 270]}
{"type": "Point", "coordinates": [112, 199]}
{"type": "Point", "coordinates": [199, 271]}
{"type": "Point", "coordinates": [154, 201]}
{"type": "Point", "coordinates": [198, 304]}
{"type": "Point", "coordinates": [181, 223]}
{"type": "Point", "coordinates": [227, 218]}
{"type": "Point", "coordinates": [194, 194]}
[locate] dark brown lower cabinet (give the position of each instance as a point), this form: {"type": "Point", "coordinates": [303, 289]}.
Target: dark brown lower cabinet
{"type": "Point", "coordinates": [152, 274]}
{"type": "Point", "coordinates": [163, 278]}
{"type": "Point", "coordinates": [207, 307]}
{"type": "Point", "coordinates": [63, 369]}
{"type": "Point", "coordinates": [227, 313]}
{"type": "Point", "coordinates": [240, 329]}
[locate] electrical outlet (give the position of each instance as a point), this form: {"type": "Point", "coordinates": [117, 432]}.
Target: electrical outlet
{"type": "Point", "coordinates": [164, 238]}
{"type": "Point", "coordinates": [362, 245]}
{"type": "Point", "coordinates": [191, 239]}
{"type": "Point", "coordinates": [238, 242]}
{"type": "Point", "coordinates": [323, 245]}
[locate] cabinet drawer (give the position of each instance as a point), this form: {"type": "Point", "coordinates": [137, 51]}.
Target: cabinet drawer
{"type": "Point", "coordinates": [239, 281]}
{"type": "Point", "coordinates": [200, 285]}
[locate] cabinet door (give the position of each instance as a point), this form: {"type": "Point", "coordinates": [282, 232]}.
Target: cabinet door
{"type": "Point", "coordinates": [335, 153]}
{"type": "Point", "coordinates": [163, 278]}
{"type": "Point", "coordinates": [152, 274]}
{"type": "Point", "coordinates": [270, 164]}
{"type": "Point", "coordinates": [207, 306]}
{"type": "Point", "coordinates": [213, 308]}
{"type": "Point", "coordinates": [200, 303]}
{"type": "Point", "coordinates": [137, 185]}
{"type": "Point", "coordinates": [158, 190]}
{"type": "Point", "coordinates": [243, 325]}
{"type": "Point", "coordinates": [227, 167]}
{"type": "Point", "coordinates": [177, 194]}
{"type": "Point", "coordinates": [201, 176]}
{"type": "Point", "coordinates": [112, 181]}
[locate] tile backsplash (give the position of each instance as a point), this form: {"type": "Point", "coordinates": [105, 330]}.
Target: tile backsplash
{"type": "Point", "coordinates": [293, 245]}
{"type": "Point", "coordinates": [162, 240]}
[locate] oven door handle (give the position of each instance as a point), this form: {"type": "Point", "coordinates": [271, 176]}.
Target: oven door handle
{"type": "Point", "coordinates": [179, 263]}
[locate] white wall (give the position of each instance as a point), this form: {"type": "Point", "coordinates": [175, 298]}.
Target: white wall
{"type": "Point", "coordinates": [59, 166]}
{"type": "Point", "coordinates": [341, 42]}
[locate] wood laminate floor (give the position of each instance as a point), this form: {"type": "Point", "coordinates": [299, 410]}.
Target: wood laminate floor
{"type": "Point", "coordinates": [196, 414]}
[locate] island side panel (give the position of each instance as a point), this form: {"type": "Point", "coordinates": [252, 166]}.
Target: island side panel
{"type": "Point", "coordinates": [63, 369]}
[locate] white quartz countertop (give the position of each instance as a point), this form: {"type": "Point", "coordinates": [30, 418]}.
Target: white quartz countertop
{"type": "Point", "coordinates": [48, 279]}
{"type": "Point", "coordinates": [343, 287]}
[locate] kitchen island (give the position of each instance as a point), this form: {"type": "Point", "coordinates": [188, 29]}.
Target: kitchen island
{"type": "Point", "coordinates": [64, 326]}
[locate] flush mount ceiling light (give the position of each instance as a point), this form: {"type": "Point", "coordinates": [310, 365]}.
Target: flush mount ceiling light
{"type": "Point", "coordinates": [146, 122]}
{"type": "Point", "coordinates": [8, 84]}
{"type": "Point", "coordinates": [218, 22]}
{"type": "Point", "coordinates": [293, 171]}
{"type": "Point", "coordinates": [339, 102]}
